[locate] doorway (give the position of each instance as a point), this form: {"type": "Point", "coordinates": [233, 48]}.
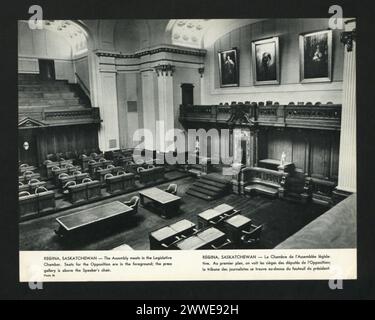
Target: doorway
{"type": "Point", "coordinates": [47, 69]}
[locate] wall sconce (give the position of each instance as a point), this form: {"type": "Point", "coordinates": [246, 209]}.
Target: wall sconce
{"type": "Point", "coordinates": [26, 145]}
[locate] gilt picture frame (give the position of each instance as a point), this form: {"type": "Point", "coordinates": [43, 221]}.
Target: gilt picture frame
{"type": "Point", "coordinates": [315, 56]}
{"type": "Point", "coordinates": [266, 61]}
{"type": "Point", "coordinates": [229, 68]}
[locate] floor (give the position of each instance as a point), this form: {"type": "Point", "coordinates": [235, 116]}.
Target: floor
{"type": "Point", "coordinates": [280, 218]}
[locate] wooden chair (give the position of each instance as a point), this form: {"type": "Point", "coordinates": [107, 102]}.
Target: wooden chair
{"type": "Point", "coordinates": [40, 189]}
{"type": "Point", "coordinates": [66, 187]}
{"type": "Point", "coordinates": [133, 203]}
{"type": "Point", "coordinates": [225, 245]}
{"type": "Point", "coordinates": [172, 188]}
{"type": "Point", "coordinates": [23, 194]}
{"type": "Point", "coordinates": [252, 237]}
{"type": "Point", "coordinates": [139, 169]}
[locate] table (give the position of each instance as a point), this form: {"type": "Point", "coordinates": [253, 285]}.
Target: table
{"type": "Point", "coordinates": [167, 202]}
{"type": "Point", "coordinates": [123, 247]}
{"type": "Point", "coordinates": [234, 226]}
{"type": "Point", "coordinates": [76, 222]}
{"type": "Point", "coordinates": [165, 236]}
{"type": "Point", "coordinates": [213, 215]}
{"type": "Point", "coordinates": [204, 239]}
{"type": "Point", "coordinates": [273, 164]}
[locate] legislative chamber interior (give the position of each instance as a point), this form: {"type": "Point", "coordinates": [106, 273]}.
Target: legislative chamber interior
{"type": "Point", "coordinates": [194, 134]}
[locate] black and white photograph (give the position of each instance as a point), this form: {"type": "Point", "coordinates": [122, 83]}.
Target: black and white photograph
{"type": "Point", "coordinates": [129, 144]}
{"type": "Point", "coordinates": [265, 59]}
{"type": "Point", "coordinates": [229, 68]}
{"type": "Point", "coordinates": [184, 152]}
{"type": "Point", "coordinates": [316, 56]}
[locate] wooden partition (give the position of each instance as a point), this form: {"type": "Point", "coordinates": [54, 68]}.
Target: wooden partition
{"type": "Point", "coordinates": [314, 152]}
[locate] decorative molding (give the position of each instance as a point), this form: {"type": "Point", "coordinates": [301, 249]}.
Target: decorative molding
{"type": "Point", "coordinates": [30, 123]}
{"type": "Point", "coordinates": [347, 38]}
{"type": "Point", "coordinates": [68, 116]}
{"type": "Point", "coordinates": [241, 114]}
{"type": "Point", "coordinates": [166, 49]}
{"type": "Point", "coordinates": [164, 70]}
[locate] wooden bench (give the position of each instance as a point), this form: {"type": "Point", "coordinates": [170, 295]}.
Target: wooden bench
{"type": "Point", "coordinates": [119, 183]}
{"type": "Point", "coordinates": [68, 169]}
{"type": "Point", "coordinates": [84, 160]}
{"type": "Point", "coordinates": [84, 191]}
{"type": "Point", "coordinates": [40, 201]}
{"type": "Point", "coordinates": [25, 167]}
{"type": "Point", "coordinates": [263, 181]}
{"type": "Point", "coordinates": [151, 174]}
{"type": "Point", "coordinates": [320, 190]}
{"type": "Point", "coordinates": [27, 176]}
{"type": "Point", "coordinates": [31, 185]}
{"type": "Point", "coordinates": [93, 165]}
{"type": "Point", "coordinates": [77, 176]}
{"type": "Point", "coordinates": [101, 172]}
{"type": "Point", "coordinates": [48, 165]}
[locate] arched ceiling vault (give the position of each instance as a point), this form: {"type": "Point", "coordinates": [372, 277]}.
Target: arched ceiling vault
{"type": "Point", "coordinates": [71, 31]}
{"type": "Point", "coordinates": [202, 33]}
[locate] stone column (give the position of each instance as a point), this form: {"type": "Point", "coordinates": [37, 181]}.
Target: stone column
{"type": "Point", "coordinates": [149, 106]}
{"type": "Point", "coordinates": [165, 103]}
{"type": "Point", "coordinates": [203, 83]}
{"type": "Point", "coordinates": [347, 179]}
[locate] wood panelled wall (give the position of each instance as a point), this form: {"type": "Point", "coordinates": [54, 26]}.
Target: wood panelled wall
{"type": "Point", "coordinates": [314, 152]}
{"type": "Point", "coordinates": [58, 139]}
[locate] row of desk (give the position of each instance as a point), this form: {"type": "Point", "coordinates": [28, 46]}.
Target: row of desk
{"type": "Point", "coordinates": [111, 213]}
{"type": "Point", "coordinates": [221, 227]}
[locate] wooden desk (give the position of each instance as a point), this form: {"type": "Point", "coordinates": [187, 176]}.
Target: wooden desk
{"type": "Point", "coordinates": [202, 240]}
{"type": "Point", "coordinates": [77, 222]}
{"type": "Point", "coordinates": [124, 247]}
{"type": "Point", "coordinates": [214, 215]}
{"type": "Point", "coordinates": [162, 238]}
{"type": "Point", "coordinates": [273, 164]}
{"type": "Point", "coordinates": [167, 202]}
{"type": "Point", "coordinates": [234, 226]}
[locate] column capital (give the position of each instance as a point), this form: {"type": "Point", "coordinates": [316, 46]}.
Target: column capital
{"type": "Point", "coordinates": [201, 71]}
{"type": "Point", "coordinates": [164, 70]}
{"type": "Point", "coordinates": [347, 38]}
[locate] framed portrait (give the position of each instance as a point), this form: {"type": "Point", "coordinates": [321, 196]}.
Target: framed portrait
{"type": "Point", "coordinates": [229, 68]}
{"type": "Point", "coordinates": [265, 58]}
{"type": "Point", "coordinates": [316, 56]}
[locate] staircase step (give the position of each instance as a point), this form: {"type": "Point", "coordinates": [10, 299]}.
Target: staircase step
{"type": "Point", "coordinates": [48, 101]}
{"type": "Point", "coordinates": [40, 89]}
{"type": "Point", "coordinates": [205, 191]}
{"type": "Point", "coordinates": [207, 186]}
{"type": "Point", "coordinates": [213, 183]}
{"type": "Point", "coordinates": [262, 189]}
{"type": "Point", "coordinates": [216, 178]}
{"type": "Point", "coordinates": [199, 195]}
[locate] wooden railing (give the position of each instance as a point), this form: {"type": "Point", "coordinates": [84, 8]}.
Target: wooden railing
{"type": "Point", "coordinates": [68, 116]}
{"type": "Point", "coordinates": [82, 85]}
{"type": "Point", "coordinates": [271, 178]}
{"type": "Point", "coordinates": [317, 116]}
